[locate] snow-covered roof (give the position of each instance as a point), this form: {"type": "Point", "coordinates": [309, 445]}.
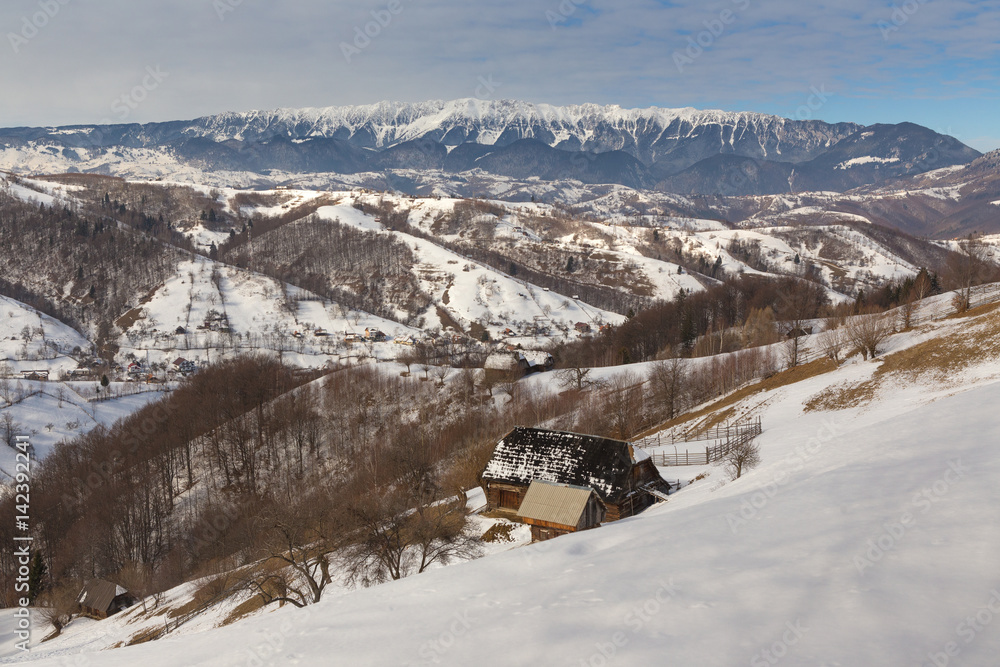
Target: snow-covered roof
{"type": "Point", "coordinates": [528, 454]}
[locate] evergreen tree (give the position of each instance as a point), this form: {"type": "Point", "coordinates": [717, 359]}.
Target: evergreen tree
{"type": "Point", "coordinates": [36, 576]}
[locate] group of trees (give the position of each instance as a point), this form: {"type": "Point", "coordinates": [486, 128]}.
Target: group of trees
{"type": "Point", "coordinates": [288, 482]}
{"type": "Point", "coordinates": [43, 250]}
{"type": "Point", "coordinates": [674, 328]}
{"type": "Point", "coordinates": [356, 268]}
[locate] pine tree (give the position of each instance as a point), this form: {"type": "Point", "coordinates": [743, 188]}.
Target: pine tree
{"type": "Point", "coordinates": [36, 576]}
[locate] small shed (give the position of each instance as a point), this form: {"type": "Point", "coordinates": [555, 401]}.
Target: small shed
{"type": "Point", "coordinates": [556, 509]}
{"type": "Point", "coordinates": [100, 599]}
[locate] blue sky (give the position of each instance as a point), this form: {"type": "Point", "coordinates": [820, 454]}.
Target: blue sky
{"type": "Point", "coordinates": [933, 62]}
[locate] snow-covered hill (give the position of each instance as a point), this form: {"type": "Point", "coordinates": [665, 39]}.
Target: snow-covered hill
{"type": "Point", "coordinates": [866, 536]}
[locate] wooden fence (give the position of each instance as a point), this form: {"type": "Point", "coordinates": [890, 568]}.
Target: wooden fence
{"type": "Point", "coordinates": [725, 439]}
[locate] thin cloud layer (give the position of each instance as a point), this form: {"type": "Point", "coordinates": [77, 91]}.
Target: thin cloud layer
{"type": "Point", "coordinates": [930, 61]}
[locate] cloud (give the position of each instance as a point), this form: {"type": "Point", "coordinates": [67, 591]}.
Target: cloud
{"type": "Point", "coordinates": [261, 54]}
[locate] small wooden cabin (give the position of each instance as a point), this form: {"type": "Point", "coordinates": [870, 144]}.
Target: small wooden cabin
{"type": "Point", "coordinates": [556, 509]}
{"type": "Point", "coordinates": [617, 472]}
{"type": "Point", "coordinates": [100, 599]}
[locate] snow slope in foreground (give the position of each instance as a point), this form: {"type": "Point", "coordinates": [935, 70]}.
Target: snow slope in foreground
{"type": "Point", "coordinates": [868, 536]}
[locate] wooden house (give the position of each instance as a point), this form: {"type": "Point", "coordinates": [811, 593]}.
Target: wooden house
{"type": "Point", "coordinates": [504, 364]}
{"type": "Point", "coordinates": [100, 599]}
{"type": "Point", "coordinates": [623, 477]}
{"type": "Point", "coordinates": [556, 509]}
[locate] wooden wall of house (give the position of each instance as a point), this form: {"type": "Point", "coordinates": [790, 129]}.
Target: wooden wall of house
{"type": "Point", "coordinates": [593, 515]}
{"type": "Point", "coordinates": [542, 533]}
{"type": "Point", "coordinates": [493, 491]}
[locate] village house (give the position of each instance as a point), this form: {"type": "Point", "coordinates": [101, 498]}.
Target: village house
{"type": "Point", "coordinates": [184, 366]}
{"type": "Point", "coordinates": [517, 362]}
{"type": "Point", "coordinates": [623, 477]}
{"type": "Point", "coordinates": [556, 509]}
{"type": "Point", "coordinates": [100, 599]}
{"type": "Point", "coordinates": [582, 327]}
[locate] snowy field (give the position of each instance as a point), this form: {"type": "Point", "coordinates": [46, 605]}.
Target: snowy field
{"type": "Point", "coordinates": [867, 536]}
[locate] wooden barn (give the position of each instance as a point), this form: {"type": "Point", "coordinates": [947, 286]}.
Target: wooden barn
{"type": "Point", "coordinates": [624, 478]}
{"type": "Point", "coordinates": [100, 599]}
{"type": "Point", "coordinates": [556, 509]}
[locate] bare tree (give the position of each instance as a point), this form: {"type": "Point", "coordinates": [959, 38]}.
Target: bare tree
{"type": "Point", "coordinates": [906, 311]}
{"type": "Point", "coordinates": [408, 358]}
{"type": "Point", "coordinates": [966, 268]}
{"type": "Point", "coordinates": [668, 378]}
{"type": "Point", "coordinates": [299, 540]}
{"type": "Point", "coordinates": [441, 373]}
{"type": "Point", "coordinates": [9, 428]}
{"type": "Point", "coordinates": [794, 347]}
{"type": "Point", "coordinates": [408, 528]}
{"type": "Point", "coordinates": [575, 378]}
{"type": "Point", "coordinates": [138, 579]}
{"type": "Point", "coordinates": [867, 331]}
{"type": "Point", "coordinates": [832, 342]}
{"type": "Point", "coordinates": [743, 456]}
{"type": "Point", "coordinates": [623, 405]}
{"type": "Point", "coordinates": [58, 607]}
{"type": "Point", "coordinates": [921, 285]}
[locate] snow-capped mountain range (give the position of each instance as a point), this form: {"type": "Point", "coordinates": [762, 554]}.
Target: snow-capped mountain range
{"type": "Point", "coordinates": [674, 150]}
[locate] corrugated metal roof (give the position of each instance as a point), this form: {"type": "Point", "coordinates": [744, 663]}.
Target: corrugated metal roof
{"type": "Point", "coordinates": [555, 503]}
{"type": "Point", "coordinates": [98, 594]}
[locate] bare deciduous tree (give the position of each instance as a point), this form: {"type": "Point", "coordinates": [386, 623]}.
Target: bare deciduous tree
{"type": "Point", "coordinates": [968, 267]}
{"type": "Point", "coordinates": [742, 457]}
{"type": "Point", "coordinates": [299, 540]}
{"type": "Point", "coordinates": [575, 378]}
{"type": "Point", "coordinates": [138, 579]}
{"type": "Point", "coordinates": [58, 608]}
{"type": "Point", "coordinates": [868, 330]}
{"type": "Point", "coordinates": [832, 342]}
{"type": "Point", "coordinates": [623, 405]}
{"type": "Point", "coordinates": [668, 378]}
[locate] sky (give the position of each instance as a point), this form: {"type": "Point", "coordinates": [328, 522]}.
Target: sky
{"type": "Point", "coordinates": [932, 62]}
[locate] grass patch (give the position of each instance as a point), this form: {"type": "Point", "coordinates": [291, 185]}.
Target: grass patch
{"type": "Point", "coordinates": [776, 381]}
{"type": "Point", "coordinates": [937, 360]}
{"type": "Point", "coordinates": [243, 609]}
{"type": "Point", "coordinates": [975, 312]}
{"type": "Point", "coordinates": [500, 532]}
{"type": "Point", "coordinates": [144, 636]}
